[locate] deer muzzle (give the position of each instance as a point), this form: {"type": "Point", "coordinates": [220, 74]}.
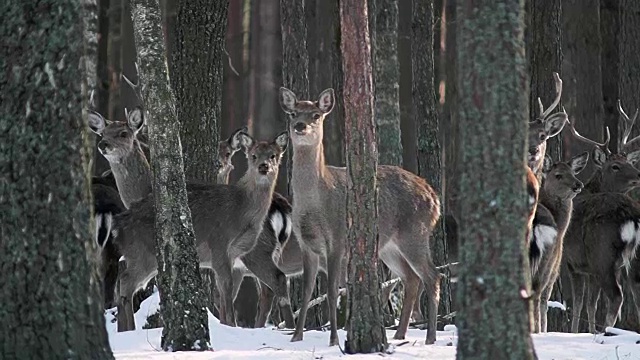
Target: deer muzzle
{"type": "Point", "coordinates": [263, 169]}
{"type": "Point", "coordinates": [300, 128]}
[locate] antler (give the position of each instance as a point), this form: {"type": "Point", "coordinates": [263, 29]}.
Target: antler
{"type": "Point", "coordinates": [604, 146]}
{"type": "Point", "coordinates": [544, 113]}
{"type": "Point", "coordinates": [628, 125]}
{"type": "Point", "coordinates": [137, 89]}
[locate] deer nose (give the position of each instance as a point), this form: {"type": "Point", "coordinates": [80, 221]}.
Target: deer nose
{"type": "Point", "coordinates": [577, 187]}
{"type": "Point", "coordinates": [299, 127]}
{"type": "Point", "coordinates": [263, 168]}
{"type": "Point", "coordinates": [533, 150]}
{"type": "Point", "coordinates": [103, 145]}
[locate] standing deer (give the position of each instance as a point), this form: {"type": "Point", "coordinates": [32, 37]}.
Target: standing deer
{"type": "Point", "coordinates": [408, 211]}
{"type": "Point", "coordinates": [604, 232]}
{"type": "Point", "coordinates": [546, 126]}
{"type": "Point", "coordinates": [226, 150]}
{"type": "Point", "coordinates": [121, 148]}
{"type": "Point", "coordinates": [227, 220]}
{"type": "Point", "coordinates": [559, 187]}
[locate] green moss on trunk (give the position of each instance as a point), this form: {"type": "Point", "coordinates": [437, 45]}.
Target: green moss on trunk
{"type": "Point", "coordinates": [494, 94]}
{"type": "Point", "coordinates": [183, 304]}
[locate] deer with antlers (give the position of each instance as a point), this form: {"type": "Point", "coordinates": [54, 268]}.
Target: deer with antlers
{"type": "Point", "coordinates": [605, 231]}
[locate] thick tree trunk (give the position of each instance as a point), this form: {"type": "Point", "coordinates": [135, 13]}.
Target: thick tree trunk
{"type": "Point", "coordinates": [50, 287]}
{"type": "Point", "coordinates": [494, 96]}
{"type": "Point", "coordinates": [114, 58]}
{"type": "Point", "coordinates": [407, 122]}
{"type": "Point", "coordinates": [365, 330]}
{"type": "Point", "coordinates": [334, 130]}
{"type": "Point", "coordinates": [425, 112]}
{"type": "Point", "coordinates": [183, 305]}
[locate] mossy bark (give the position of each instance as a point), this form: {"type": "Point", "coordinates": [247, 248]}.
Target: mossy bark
{"type": "Point", "coordinates": [365, 327]}
{"type": "Point", "coordinates": [183, 304]}
{"type": "Point", "coordinates": [494, 97]}
{"type": "Point", "coordinates": [50, 286]}
{"type": "Point", "coordinates": [425, 112]}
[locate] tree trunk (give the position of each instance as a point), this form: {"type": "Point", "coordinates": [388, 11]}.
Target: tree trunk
{"type": "Point", "coordinates": [334, 130]}
{"type": "Point", "coordinates": [50, 286]}
{"type": "Point", "coordinates": [494, 97]}
{"type": "Point", "coordinates": [365, 330]}
{"type": "Point", "coordinates": [407, 122]}
{"type": "Point", "coordinates": [610, 60]}
{"type": "Point", "coordinates": [183, 306]}
{"type": "Point", "coordinates": [114, 60]}
{"type": "Point", "coordinates": [425, 112]}
{"type": "Point", "coordinates": [544, 55]}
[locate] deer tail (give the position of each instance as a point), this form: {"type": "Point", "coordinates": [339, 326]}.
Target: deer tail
{"type": "Point", "coordinates": [630, 236]}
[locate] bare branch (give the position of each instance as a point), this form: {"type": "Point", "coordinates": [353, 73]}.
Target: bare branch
{"type": "Point", "coordinates": [230, 63]}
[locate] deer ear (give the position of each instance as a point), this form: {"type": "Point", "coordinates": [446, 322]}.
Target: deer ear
{"type": "Point", "coordinates": [327, 100]}
{"type": "Point", "coordinates": [96, 122]}
{"type": "Point", "coordinates": [246, 140]}
{"type": "Point", "coordinates": [547, 164]}
{"type": "Point", "coordinates": [282, 140]}
{"type": "Point", "coordinates": [288, 100]}
{"type": "Point", "coordinates": [234, 140]}
{"type": "Point", "coordinates": [554, 124]}
{"type": "Point", "coordinates": [135, 119]}
{"type": "Point", "coordinates": [579, 162]}
{"type": "Point", "coordinates": [599, 157]}
{"type": "Point", "coordinates": [633, 157]}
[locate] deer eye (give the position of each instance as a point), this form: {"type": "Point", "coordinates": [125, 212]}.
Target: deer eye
{"type": "Point", "coordinates": [228, 154]}
{"type": "Point", "coordinates": [254, 157]}
{"type": "Point", "coordinates": [558, 176]}
{"type": "Point", "coordinates": [293, 114]}
{"type": "Point", "coordinates": [543, 137]}
{"type": "Point", "coordinates": [124, 134]}
{"type": "Point", "coordinates": [615, 167]}
{"type": "Point", "coordinates": [273, 156]}
{"type": "Point", "coordinates": [316, 116]}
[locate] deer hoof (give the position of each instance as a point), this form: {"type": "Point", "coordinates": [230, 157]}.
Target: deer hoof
{"type": "Point", "coordinates": [296, 337]}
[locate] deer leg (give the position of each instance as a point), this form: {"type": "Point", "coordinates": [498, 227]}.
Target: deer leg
{"type": "Point", "coordinates": [613, 291]}
{"type": "Point", "coordinates": [264, 305]}
{"type": "Point", "coordinates": [544, 306]}
{"type": "Point", "coordinates": [126, 321]}
{"type": "Point", "coordinates": [593, 294]}
{"type": "Point", "coordinates": [536, 313]}
{"type": "Point", "coordinates": [577, 294]}
{"type": "Point", "coordinates": [334, 271]}
{"type": "Point", "coordinates": [417, 309]}
{"type": "Point", "coordinates": [225, 286]}
{"type": "Point", "coordinates": [236, 279]}
{"type": "Point", "coordinates": [310, 271]}
{"type": "Point", "coordinates": [410, 282]}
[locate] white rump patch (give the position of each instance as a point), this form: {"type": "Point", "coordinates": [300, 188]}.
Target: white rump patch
{"type": "Point", "coordinates": [277, 223]}
{"type": "Point", "coordinates": [545, 236]}
{"type": "Point", "coordinates": [532, 200]}
{"type": "Point", "coordinates": [630, 235]}
{"type": "Point", "coordinates": [287, 227]}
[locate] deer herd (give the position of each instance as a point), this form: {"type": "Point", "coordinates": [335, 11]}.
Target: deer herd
{"type": "Point", "coordinates": [588, 231]}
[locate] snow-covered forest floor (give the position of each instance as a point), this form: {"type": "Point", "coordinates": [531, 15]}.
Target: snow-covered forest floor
{"type": "Point", "coordinates": [267, 343]}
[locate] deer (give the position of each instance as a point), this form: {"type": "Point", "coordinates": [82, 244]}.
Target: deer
{"type": "Point", "coordinates": [122, 149]}
{"type": "Point", "coordinates": [265, 261]}
{"type": "Point", "coordinates": [559, 187]}
{"type": "Point", "coordinates": [319, 220]}
{"type": "Point", "coordinates": [543, 128]}
{"type": "Point", "coordinates": [227, 220]}
{"type": "Point", "coordinates": [604, 232]}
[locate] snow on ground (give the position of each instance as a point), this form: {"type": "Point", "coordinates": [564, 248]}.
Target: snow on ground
{"type": "Point", "coordinates": [237, 343]}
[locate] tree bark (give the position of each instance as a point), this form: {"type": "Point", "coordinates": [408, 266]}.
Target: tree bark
{"type": "Point", "coordinates": [50, 286]}
{"type": "Point", "coordinates": [544, 55]}
{"type": "Point", "coordinates": [494, 97]}
{"type": "Point", "coordinates": [407, 122]}
{"type": "Point", "coordinates": [425, 112]}
{"type": "Point", "coordinates": [114, 58]}
{"type": "Point", "coordinates": [196, 79]}
{"type": "Point", "coordinates": [183, 306]}
{"type": "Point", "coordinates": [365, 329]}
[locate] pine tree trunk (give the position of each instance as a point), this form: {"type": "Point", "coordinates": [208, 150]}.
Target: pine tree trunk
{"type": "Point", "coordinates": [494, 96]}
{"type": "Point", "coordinates": [407, 122]}
{"type": "Point", "coordinates": [365, 330]}
{"type": "Point", "coordinates": [610, 60]}
{"type": "Point", "coordinates": [334, 130]}
{"type": "Point", "coordinates": [114, 61]}
{"type": "Point", "coordinates": [50, 289]}
{"type": "Point", "coordinates": [425, 113]}
{"type": "Point", "coordinates": [183, 304]}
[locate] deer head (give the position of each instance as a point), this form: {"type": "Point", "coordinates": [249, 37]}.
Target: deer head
{"type": "Point", "coordinates": [546, 126]}
{"type": "Point", "coordinates": [227, 148]}
{"type": "Point", "coordinates": [119, 138]}
{"type": "Point", "coordinates": [560, 178]}
{"type": "Point", "coordinates": [614, 172]}
{"type": "Point", "coordinates": [306, 117]}
{"type": "Point", "coordinates": [263, 157]}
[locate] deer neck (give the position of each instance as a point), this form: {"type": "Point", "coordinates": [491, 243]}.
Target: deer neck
{"type": "Point", "coordinates": [309, 169]}
{"type": "Point", "coordinates": [560, 208]}
{"type": "Point", "coordinates": [259, 193]}
{"type": "Point", "coordinates": [133, 177]}
{"type": "Point", "coordinates": [594, 184]}
{"type": "Point", "coordinates": [223, 175]}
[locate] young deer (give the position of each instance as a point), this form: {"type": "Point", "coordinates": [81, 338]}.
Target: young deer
{"type": "Point", "coordinates": [559, 187]}
{"type": "Point", "coordinates": [545, 127]}
{"type": "Point", "coordinates": [226, 149]}
{"type": "Point", "coordinates": [227, 220]}
{"type": "Point", "coordinates": [408, 211]}
{"type": "Point", "coordinates": [604, 232]}
{"type": "Point", "coordinates": [120, 146]}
